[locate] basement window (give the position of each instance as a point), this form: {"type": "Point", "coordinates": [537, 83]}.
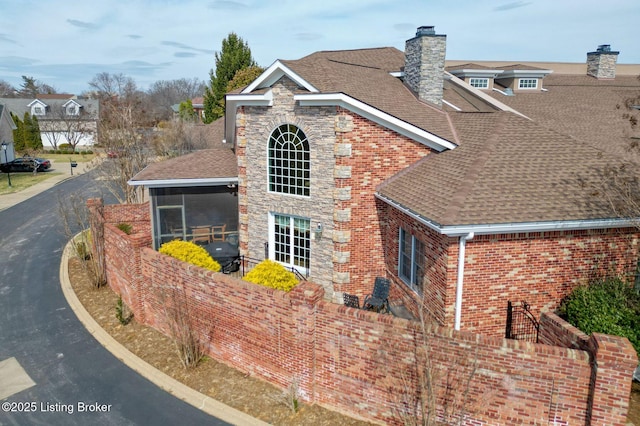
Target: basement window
{"type": "Point", "coordinates": [528, 83]}
{"type": "Point", "coordinates": [479, 83]}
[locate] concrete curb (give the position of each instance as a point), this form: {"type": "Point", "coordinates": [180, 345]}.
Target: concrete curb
{"type": "Point", "coordinates": [160, 379]}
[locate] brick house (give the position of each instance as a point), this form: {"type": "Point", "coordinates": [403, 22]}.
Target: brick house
{"type": "Point", "coordinates": [466, 186]}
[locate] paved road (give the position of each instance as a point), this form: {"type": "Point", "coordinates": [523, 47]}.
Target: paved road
{"type": "Point", "coordinates": [71, 370]}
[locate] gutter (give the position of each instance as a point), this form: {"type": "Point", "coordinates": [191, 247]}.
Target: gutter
{"type": "Point", "coordinates": [510, 228]}
{"type": "Point", "coordinates": [460, 280]}
{"type": "Point", "coordinates": [170, 183]}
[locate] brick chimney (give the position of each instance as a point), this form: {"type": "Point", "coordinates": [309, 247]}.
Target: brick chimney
{"type": "Point", "coordinates": [602, 62]}
{"type": "Point", "coordinates": [424, 64]}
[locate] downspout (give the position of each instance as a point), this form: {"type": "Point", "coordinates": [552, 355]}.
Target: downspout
{"type": "Point", "coordinates": [460, 280]}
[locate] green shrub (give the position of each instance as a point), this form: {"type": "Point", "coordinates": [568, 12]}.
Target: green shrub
{"type": "Point", "coordinates": [609, 306]}
{"type": "Point", "coordinates": [64, 147]}
{"type": "Point", "coordinates": [272, 274]}
{"type": "Point", "coordinates": [123, 313]}
{"type": "Point", "coordinates": [190, 253]}
{"type": "Point", "coordinates": [125, 227]}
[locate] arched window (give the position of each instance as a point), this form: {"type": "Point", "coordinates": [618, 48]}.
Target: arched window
{"type": "Point", "coordinates": [289, 161]}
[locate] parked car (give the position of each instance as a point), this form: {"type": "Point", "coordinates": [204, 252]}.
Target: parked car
{"type": "Point", "coordinates": [26, 164]}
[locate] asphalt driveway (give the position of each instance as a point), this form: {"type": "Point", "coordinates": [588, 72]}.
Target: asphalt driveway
{"type": "Point", "coordinates": [52, 371]}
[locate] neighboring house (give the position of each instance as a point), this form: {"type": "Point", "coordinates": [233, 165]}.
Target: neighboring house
{"type": "Point", "coordinates": [468, 188]}
{"type": "Point", "coordinates": [63, 118]}
{"type": "Point", "coordinates": [7, 126]}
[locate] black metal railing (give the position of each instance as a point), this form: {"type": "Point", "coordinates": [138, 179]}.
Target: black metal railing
{"type": "Point", "coordinates": [521, 324]}
{"type": "Point", "coordinates": [243, 264]}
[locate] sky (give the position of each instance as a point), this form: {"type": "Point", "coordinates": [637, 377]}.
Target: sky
{"type": "Point", "coordinates": [66, 43]}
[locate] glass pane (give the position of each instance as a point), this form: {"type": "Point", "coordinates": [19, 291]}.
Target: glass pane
{"type": "Point", "coordinates": [289, 157]}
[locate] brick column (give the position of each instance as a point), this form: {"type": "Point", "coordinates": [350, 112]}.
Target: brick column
{"type": "Point", "coordinates": [304, 301]}
{"type": "Point", "coordinates": [614, 360]}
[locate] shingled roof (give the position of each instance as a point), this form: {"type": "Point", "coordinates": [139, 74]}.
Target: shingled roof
{"type": "Point", "coordinates": [507, 169]}
{"type": "Point", "coordinates": [201, 167]}
{"type": "Point", "coordinates": [583, 107]}
{"type": "Point", "coordinates": [365, 75]}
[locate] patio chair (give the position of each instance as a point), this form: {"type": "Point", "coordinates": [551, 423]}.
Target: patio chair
{"type": "Point", "coordinates": [218, 232]}
{"type": "Point", "coordinates": [351, 300]}
{"type": "Point", "coordinates": [378, 300]}
{"type": "Point", "coordinates": [201, 234]}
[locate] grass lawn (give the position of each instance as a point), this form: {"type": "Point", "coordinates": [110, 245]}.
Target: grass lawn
{"type": "Point", "coordinates": [20, 181]}
{"type": "Point", "coordinates": [61, 158]}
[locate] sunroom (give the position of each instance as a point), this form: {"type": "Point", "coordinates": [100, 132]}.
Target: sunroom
{"type": "Point", "coordinates": [194, 198]}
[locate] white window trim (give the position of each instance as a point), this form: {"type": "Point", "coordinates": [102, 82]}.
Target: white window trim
{"type": "Point", "coordinates": [271, 222]}
{"type": "Point", "coordinates": [484, 81]}
{"type": "Point", "coordinates": [411, 280]}
{"type": "Point", "coordinates": [521, 80]}
{"type": "Point", "coordinates": [37, 110]}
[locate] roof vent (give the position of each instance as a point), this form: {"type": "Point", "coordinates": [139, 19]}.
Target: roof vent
{"type": "Point", "coordinates": [426, 30]}
{"type": "Point", "coordinates": [604, 48]}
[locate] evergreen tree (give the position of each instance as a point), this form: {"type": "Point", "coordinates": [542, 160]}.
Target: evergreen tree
{"type": "Point", "coordinates": [234, 56]}
{"type": "Point", "coordinates": [34, 137]}
{"type": "Point", "coordinates": [186, 111]}
{"type": "Point", "coordinates": [18, 134]}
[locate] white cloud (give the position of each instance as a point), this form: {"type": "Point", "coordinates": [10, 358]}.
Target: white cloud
{"type": "Point", "coordinates": [73, 41]}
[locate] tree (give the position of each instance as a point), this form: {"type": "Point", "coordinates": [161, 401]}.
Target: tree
{"type": "Point", "coordinates": [165, 93]}
{"type": "Point", "coordinates": [186, 111]}
{"type": "Point", "coordinates": [121, 130]}
{"type": "Point", "coordinates": [26, 136]}
{"type": "Point", "coordinates": [234, 56]}
{"type": "Point", "coordinates": [7, 90]}
{"type": "Point", "coordinates": [31, 88]}
{"type": "Point", "coordinates": [244, 77]}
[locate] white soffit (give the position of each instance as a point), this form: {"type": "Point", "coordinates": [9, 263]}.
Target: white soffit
{"type": "Point", "coordinates": [275, 73]}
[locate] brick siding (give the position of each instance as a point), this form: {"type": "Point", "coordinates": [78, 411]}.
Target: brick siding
{"type": "Point", "coordinates": [359, 362]}
{"type": "Point", "coordinates": [540, 268]}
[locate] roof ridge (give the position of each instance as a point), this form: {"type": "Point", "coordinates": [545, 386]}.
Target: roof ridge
{"type": "Point", "coordinates": [353, 64]}
{"type": "Point", "coordinates": [466, 183]}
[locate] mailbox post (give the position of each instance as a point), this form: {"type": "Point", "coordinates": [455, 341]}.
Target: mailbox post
{"type": "Point", "coordinates": [73, 164]}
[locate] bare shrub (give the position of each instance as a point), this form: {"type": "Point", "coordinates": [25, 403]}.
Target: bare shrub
{"type": "Point", "coordinates": [181, 326]}
{"type": "Point", "coordinates": [88, 246]}
{"type": "Point", "coordinates": [290, 397]}
{"type": "Point", "coordinates": [440, 387]}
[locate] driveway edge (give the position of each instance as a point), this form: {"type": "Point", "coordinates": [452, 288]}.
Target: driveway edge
{"type": "Point", "coordinates": [146, 370]}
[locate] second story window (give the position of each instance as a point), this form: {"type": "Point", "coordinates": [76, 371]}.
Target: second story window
{"type": "Point", "coordinates": [528, 83]}
{"type": "Point", "coordinates": [479, 83]}
{"type": "Point", "coordinates": [72, 110]}
{"type": "Point", "coordinates": [38, 110]}
{"type": "Point", "coordinates": [289, 162]}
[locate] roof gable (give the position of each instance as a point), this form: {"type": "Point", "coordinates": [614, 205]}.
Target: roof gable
{"type": "Point", "coordinates": [347, 79]}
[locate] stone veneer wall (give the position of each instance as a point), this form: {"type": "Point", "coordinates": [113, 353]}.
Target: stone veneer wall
{"type": "Point", "coordinates": [254, 126]}
{"type": "Point", "coordinates": [350, 156]}
{"type": "Point", "coordinates": [424, 66]}
{"type": "Point", "coordinates": [602, 64]}
{"type": "Point", "coordinates": [359, 362]}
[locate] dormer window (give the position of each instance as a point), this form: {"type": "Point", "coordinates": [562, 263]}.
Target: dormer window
{"type": "Point", "coordinates": [527, 83]}
{"type": "Point", "coordinates": [479, 83]}
{"type": "Point", "coordinates": [72, 110]}
{"type": "Point", "coordinates": [38, 110]}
